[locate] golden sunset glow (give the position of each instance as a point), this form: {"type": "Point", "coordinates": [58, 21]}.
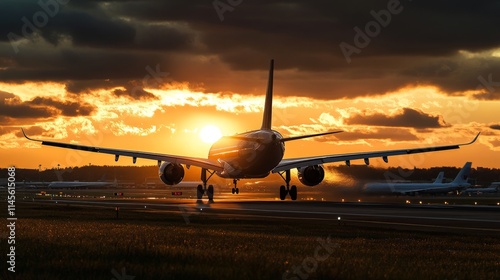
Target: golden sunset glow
{"type": "Point", "coordinates": [210, 134]}
{"type": "Point", "coordinates": [125, 88]}
{"type": "Point", "coordinates": [170, 122]}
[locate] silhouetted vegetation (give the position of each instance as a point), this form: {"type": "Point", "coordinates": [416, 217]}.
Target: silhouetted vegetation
{"type": "Point", "coordinates": [138, 174]}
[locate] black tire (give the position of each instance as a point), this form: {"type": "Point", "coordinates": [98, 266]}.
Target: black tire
{"type": "Point", "coordinates": [210, 193]}
{"type": "Point", "coordinates": [233, 191]}
{"type": "Point", "coordinates": [237, 190]}
{"type": "Point", "coordinates": [199, 192]}
{"type": "Point", "coordinates": [283, 192]}
{"type": "Point", "coordinates": [293, 192]}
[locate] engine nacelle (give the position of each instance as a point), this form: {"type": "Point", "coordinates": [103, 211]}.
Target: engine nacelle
{"type": "Point", "coordinates": [311, 175]}
{"type": "Point", "coordinates": [171, 173]}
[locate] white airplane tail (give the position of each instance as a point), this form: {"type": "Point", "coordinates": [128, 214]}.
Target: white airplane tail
{"type": "Point", "coordinates": [464, 173]}
{"type": "Point", "coordinates": [439, 178]}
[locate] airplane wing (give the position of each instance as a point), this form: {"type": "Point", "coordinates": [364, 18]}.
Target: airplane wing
{"type": "Point", "coordinates": [200, 162]}
{"type": "Point", "coordinates": [287, 164]}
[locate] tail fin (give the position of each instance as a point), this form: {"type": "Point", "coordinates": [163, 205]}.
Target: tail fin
{"type": "Point", "coordinates": [268, 107]}
{"type": "Point", "coordinates": [439, 178]}
{"type": "Point", "coordinates": [464, 173]}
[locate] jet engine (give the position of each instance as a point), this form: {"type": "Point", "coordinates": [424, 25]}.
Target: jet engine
{"type": "Point", "coordinates": [311, 175]}
{"type": "Point", "coordinates": [171, 173]}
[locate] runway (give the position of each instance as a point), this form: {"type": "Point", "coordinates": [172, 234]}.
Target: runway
{"type": "Point", "coordinates": [441, 218]}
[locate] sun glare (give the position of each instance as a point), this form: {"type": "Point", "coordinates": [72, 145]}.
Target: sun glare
{"type": "Point", "coordinates": [210, 134]}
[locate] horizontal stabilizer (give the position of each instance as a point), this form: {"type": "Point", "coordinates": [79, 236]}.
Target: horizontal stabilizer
{"type": "Point", "coordinates": [309, 136]}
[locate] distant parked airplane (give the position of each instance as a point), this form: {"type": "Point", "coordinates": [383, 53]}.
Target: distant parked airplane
{"type": "Point", "coordinates": [493, 188]}
{"type": "Point", "coordinates": [253, 154]}
{"type": "Point", "coordinates": [78, 184]}
{"type": "Point", "coordinates": [458, 184]}
{"type": "Point", "coordinates": [439, 178]}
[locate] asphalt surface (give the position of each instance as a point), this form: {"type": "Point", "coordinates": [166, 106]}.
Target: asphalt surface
{"type": "Point", "coordinates": [442, 218]}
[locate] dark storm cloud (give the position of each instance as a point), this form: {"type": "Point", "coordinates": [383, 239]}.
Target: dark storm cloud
{"type": "Point", "coordinates": [5, 130]}
{"type": "Point", "coordinates": [406, 118]}
{"type": "Point", "coordinates": [131, 89]}
{"type": "Point", "coordinates": [495, 126]}
{"type": "Point", "coordinates": [134, 93]}
{"type": "Point", "coordinates": [67, 108]}
{"type": "Point", "coordinates": [31, 131]}
{"type": "Point", "coordinates": [75, 64]}
{"type": "Point", "coordinates": [12, 107]}
{"type": "Point", "coordinates": [93, 41]}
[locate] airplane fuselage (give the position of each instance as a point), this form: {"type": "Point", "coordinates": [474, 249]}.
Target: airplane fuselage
{"type": "Point", "coordinates": [251, 154]}
{"type": "Point", "coordinates": [408, 188]}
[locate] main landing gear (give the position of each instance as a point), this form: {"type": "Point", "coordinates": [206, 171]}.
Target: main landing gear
{"type": "Point", "coordinates": [287, 190]}
{"type": "Point", "coordinates": [202, 189]}
{"type": "Point", "coordinates": [235, 190]}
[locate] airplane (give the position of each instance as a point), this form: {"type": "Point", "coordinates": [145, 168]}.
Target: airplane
{"type": "Point", "coordinates": [458, 184]}
{"type": "Point", "coordinates": [250, 155]}
{"type": "Point", "coordinates": [78, 184]}
{"type": "Point", "coordinates": [439, 178]}
{"type": "Point", "coordinates": [63, 184]}
{"type": "Point", "coordinates": [493, 188]}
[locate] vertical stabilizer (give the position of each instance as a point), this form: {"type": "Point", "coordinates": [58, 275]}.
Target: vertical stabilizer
{"type": "Point", "coordinates": [464, 173]}
{"type": "Point", "coordinates": [439, 178]}
{"type": "Point", "coordinates": [268, 106]}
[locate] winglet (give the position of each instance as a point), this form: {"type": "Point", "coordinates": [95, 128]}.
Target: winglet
{"type": "Point", "coordinates": [474, 140]}
{"type": "Point", "coordinates": [26, 136]}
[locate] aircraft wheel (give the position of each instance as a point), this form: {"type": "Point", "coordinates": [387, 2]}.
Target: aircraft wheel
{"type": "Point", "coordinates": [210, 193]}
{"type": "Point", "coordinates": [283, 192]}
{"type": "Point", "coordinates": [199, 192]}
{"type": "Point", "coordinates": [233, 190]}
{"type": "Point", "coordinates": [237, 190]}
{"type": "Point", "coordinates": [293, 192]}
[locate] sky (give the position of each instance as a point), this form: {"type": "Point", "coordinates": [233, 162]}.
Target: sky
{"type": "Point", "coordinates": [149, 75]}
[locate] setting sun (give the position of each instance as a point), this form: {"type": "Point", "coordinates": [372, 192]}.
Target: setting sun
{"type": "Point", "coordinates": [210, 134]}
